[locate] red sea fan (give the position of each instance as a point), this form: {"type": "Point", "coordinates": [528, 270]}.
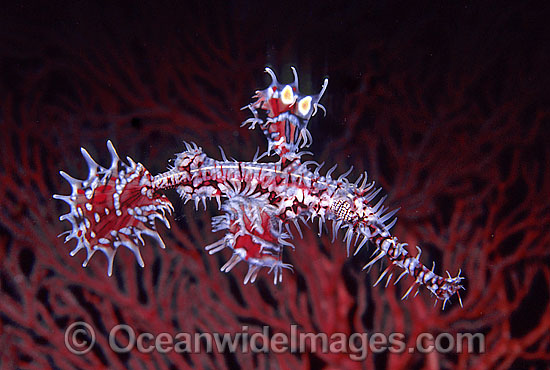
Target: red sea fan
{"type": "Point", "coordinates": [457, 139]}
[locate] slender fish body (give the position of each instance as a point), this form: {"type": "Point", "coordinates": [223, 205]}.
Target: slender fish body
{"type": "Point", "coordinates": [116, 206]}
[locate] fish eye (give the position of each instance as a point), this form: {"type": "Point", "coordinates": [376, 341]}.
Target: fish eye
{"type": "Point", "coordinates": [287, 95]}
{"type": "Point", "coordinates": [304, 106]}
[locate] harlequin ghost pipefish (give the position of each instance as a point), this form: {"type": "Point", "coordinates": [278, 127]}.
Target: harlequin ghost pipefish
{"type": "Point", "coordinates": [117, 206]}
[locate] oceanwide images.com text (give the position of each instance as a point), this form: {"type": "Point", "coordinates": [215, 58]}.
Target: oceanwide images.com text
{"type": "Point", "coordinates": [80, 338]}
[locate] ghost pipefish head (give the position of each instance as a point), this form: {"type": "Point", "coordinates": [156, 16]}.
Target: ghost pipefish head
{"type": "Point", "coordinates": [287, 113]}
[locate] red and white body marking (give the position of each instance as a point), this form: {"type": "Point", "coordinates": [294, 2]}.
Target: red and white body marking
{"type": "Point", "coordinates": [116, 206]}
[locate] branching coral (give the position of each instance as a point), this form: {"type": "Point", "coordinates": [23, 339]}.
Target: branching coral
{"type": "Point", "coordinates": [457, 140]}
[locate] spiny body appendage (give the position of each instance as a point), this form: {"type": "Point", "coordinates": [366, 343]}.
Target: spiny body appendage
{"type": "Point", "coordinates": [253, 234]}
{"type": "Point", "coordinates": [259, 200]}
{"type": "Point", "coordinates": [354, 211]}
{"type": "Point", "coordinates": [113, 207]}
